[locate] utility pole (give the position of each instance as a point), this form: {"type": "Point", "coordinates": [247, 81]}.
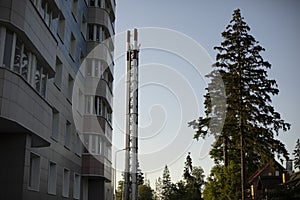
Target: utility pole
{"type": "Point", "coordinates": [131, 136]}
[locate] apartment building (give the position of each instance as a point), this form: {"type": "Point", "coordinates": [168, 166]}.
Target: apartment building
{"type": "Point", "coordinates": [43, 50]}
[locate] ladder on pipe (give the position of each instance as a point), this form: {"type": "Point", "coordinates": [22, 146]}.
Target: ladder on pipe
{"type": "Point", "coordinates": [131, 136]}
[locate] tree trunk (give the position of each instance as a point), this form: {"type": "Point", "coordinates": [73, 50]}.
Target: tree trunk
{"type": "Point", "coordinates": [225, 149]}
{"type": "Point", "coordinates": [242, 166]}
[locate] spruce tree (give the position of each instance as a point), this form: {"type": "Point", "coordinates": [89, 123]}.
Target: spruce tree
{"type": "Point", "coordinates": [248, 138]}
{"type": "Point", "coordinates": [194, 177]}
{"type": "Point", "coordinates": [296, 154]}
{"type": "Point", "coordinates": [166, 183]}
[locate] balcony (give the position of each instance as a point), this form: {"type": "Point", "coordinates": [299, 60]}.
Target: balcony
{"type": "Point", "coordinates": [96, 166]}
{"type": "Point", "coordinates": [101, 16]}
{"type": "Point", "coordinates": [99, 87]}
{"type": "Point", "coordinates": [23, 110]}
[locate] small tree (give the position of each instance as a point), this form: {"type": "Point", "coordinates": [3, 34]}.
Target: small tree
{"type": "Point", "coordinates": [194, 178]}
{"type": "Point", "coordinates": [140, 177]}
{"type": "Point", "coordinates": [119, 190]}
{"type": "Point", "coordinates": [158, 189]}
{"type": "Point", "coordinates": [296, 154]}
{"type": "Point", "coordinates": [166, 183]}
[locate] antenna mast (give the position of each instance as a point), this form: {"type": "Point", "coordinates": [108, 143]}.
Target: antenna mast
{"type": "Point", "coordinates": [131, 140]}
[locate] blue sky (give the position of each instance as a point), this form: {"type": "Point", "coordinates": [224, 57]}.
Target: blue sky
{"type": "Point", "coordinates": [168, 79]}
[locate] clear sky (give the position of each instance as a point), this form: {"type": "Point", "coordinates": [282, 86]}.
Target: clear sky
{"type": "Point", "coordinates": [171, 87]}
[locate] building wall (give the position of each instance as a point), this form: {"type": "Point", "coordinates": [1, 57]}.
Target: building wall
{"type": "Point", "coordinates": [43, 44]}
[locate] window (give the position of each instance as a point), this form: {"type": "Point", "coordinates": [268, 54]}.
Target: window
{"type": "Point", "coordinates": [68, 134]}
{"type": "Point", "coordinates": [76, 186]}
{"type": "Point", "coordinates": [43, 83]}
{"type": "Point", "coordinates": [104, 110]}
{"type": "Point", "coordinates": [52, 176]}
{"type": "Point", "coordinates": [88, 66]}
{"type": "Point", "coordinates": [2, 42]}
{"type": "Point", "coordinates": [75, 9]}
{"type": "Point", "coordinates": [34, 172]}
{"type": "Point", "coordinates": [58, 73]}
{"type": "Point", "coordinates": [270, 173]}
{"type": "Point", "coordinates": [102, 3]}
{"type": "Point", "coordinates": [37, 77]}
{"type": "Point", "coordinates": [40, 80]}
{"type": "Point", "coordinates": [78, 148]}
{"type": "Point", "coordinates": [54, 22]}
{"type": "Point", "coordinates": [21, 60]}
{"type": "Point", "coordinates": [70, 87]}
{"type": "Point", "coordinates": [8, 48]}
{"type": "Point", "coordinates": [97, 68]}
{"type": "Point", "coordinates": [98, 106]}
{"type": "Point", "coordinates": [276, 173]}
{"type": "Point", "coordinates": [94, 68]}
{"type": "Point", "coordinates": [73, 46]}
{"type": "Point", "coordinates": [96, 33]}
{"type": "Point", "coordinates": [82, 59]}
{"type": "Point", "coordinates": [109, 79]}
{"type": "Point", "coordinates": [61, 27]}
{"type": "Point", "coordinates": [93, 144]}
{"type": "Point", "coordinates": [108, 152]}
{"type": "Point", "coordinates": [89, 102]}
{"type": "Point", "coordinates": [66, 183]}
{"type": "Point", "coordinates": [46, 12]}
{"type": "Point", "coordinates": [92, 2]}
{"type": "Point", "coordinates": [105, 151]}
{"type": "Point", "coordinates": [25, 64]}
{"type": "Point", "coordinates": [17, 58]}
{"type": "Point", "coordinates": [109, 115]}
{"type": "Point", "coordinates": [80, 101]}
{"type": "Point", "coordinates": [91, 32]}
{"type": "Point", "coordinates": [55, 124]}
{"type": "Point", "coordinates": [83, 26]}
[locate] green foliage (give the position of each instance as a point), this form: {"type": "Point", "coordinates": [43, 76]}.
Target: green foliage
{"type": "Point", "coordinates": [179, 191]}
{"type": "Point", "coordinates": [158, 189]}
{"type": "Point", "coordinates": [194, 178]}
{"type": "Point", "coordinates": [145, 192]}
{"type": "Point", "coordinates": [222, 183]}
{"type": "Point", "coordinates": [250, 121]}
{"type": "Point", "coordinates": [141, 185]}
{"type": "Point", "coordinates": [296, 154]}
{"type": "Point", "coordinates": [140, 177]}
{"type": "Point", "coordinates": [166, 183]}
{"type": "Point", "coordinates": [119, 191]}
{"type": "Point", "coordinates": [187, 189]}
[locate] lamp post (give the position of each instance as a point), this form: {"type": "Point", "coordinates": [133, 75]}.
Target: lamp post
{"type": "Point", "coordinates": [115, 174]}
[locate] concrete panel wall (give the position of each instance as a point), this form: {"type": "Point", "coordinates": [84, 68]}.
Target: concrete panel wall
{"type": "Point", "coordinates": [21, 103]}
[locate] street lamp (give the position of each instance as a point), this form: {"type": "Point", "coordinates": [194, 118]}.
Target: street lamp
{"type": "Point", "coordinates": [115, 174]}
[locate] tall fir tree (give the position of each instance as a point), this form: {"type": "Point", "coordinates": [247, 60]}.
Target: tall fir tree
{"type": "Point", "coordinates": [251, 122]}
{"type": "Point", "coordinates": [296, 154]}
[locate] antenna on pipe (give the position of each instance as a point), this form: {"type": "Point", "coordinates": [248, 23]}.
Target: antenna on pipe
{"type": "Point", "coordinates": [131, 136]}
